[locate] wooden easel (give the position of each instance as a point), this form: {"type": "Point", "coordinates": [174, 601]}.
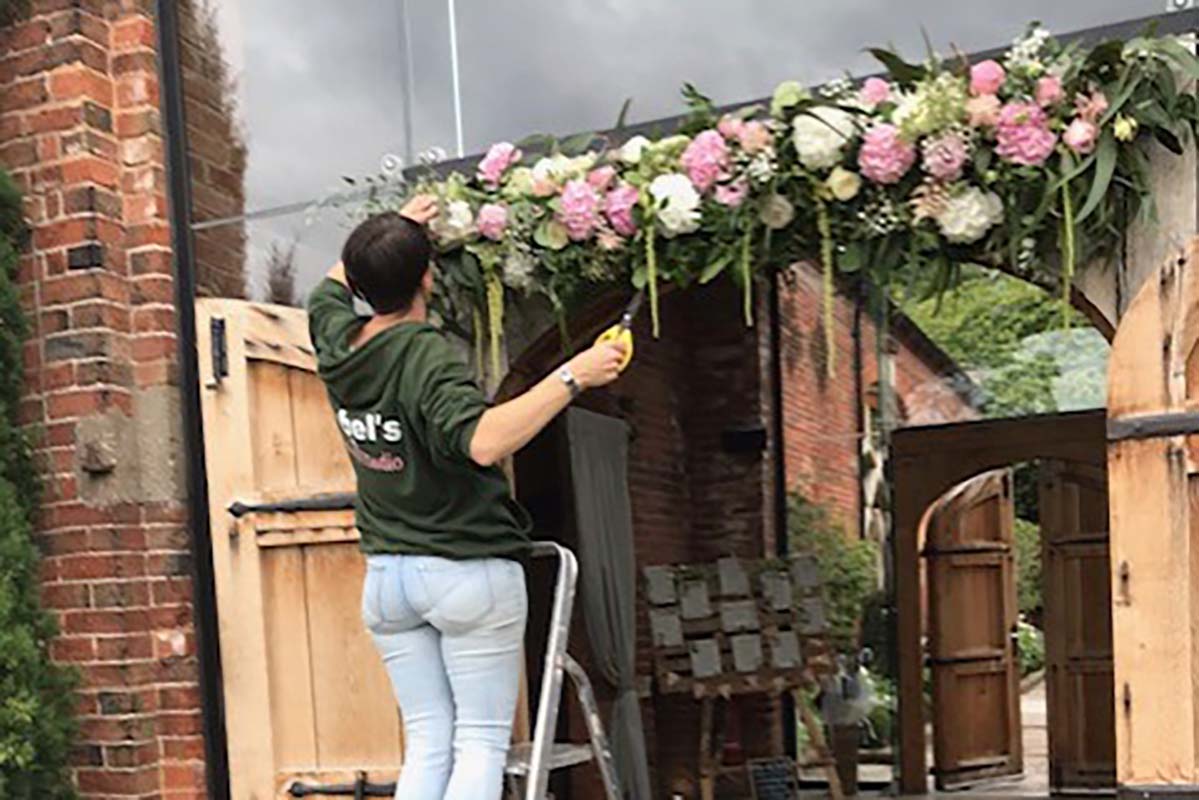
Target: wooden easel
{"type": "Point", "coordinates": [738, 628]}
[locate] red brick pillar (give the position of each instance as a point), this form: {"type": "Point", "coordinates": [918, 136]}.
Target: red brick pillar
{"type": "Point", "coordinates": [81, 131]}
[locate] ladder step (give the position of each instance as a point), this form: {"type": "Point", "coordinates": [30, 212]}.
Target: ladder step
{"type": "Point", "coordinates": [563, 755]}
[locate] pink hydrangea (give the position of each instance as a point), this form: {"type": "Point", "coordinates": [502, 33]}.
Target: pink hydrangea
{"type": "Point", "coordinates": [578, 207]}
{"type": "Point", "coordinates": [983, 110]}
{"type": "Point", "coordinates": [885, 157]}
{"type": "Point", "coordinates": [732, 194]}
{"type": "Point", "coordinates": [1091, 107]}
{"type": "Point", "coordinates": [986, 77]}
{"type": "Point", "coordinates": [1080, 136]}
{"type": "Point", "coordinates": [755, 137]}
{"type": "Point", "coordinates": [1049, 91]}
{"type": "Point", "coordinates": [730, 127]}
{"type": "Point", "coordinates": [500, 156]}
{"type": "Point", "coordinates": [618, 207]}
{"type": "Point", "coordinates": [706, 159]}
{"type": "Point", "coordinates": [1023, 134]}
{"type": "Point", "coordinates": [945, 156]}
{"type": "Point", "coordinates": [492, 221]}
{"type": "Point", "coordinates": [601, 178]}
{"type": "Point", "coordinates": [875, 91]}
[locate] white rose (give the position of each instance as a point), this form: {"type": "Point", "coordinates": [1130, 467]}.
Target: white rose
{"type": "Point", "coordinates": [677, 203]}
{"type": "Point", "coordinates": [968, 216]}
{"type": "Point", "coordinates": [630, 151]}
{"type": "Point", "coordinates": [844, 183]}
{"type": "Point", "coordinates": [551, 169]}
{"type": "Point", "coordinates": [820, 135]}
{"type": "Point", "coordinates": [776, 212]}
{"type": "Point", "coordinates": [458, 222]}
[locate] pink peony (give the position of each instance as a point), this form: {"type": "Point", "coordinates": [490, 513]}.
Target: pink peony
{"type": "Point", "coordinates": [1080, 136]}
{"type": "Point", "coordinates": [499, 157]}
{"type": "Point", "coordinates": [986, 77]}
{"type": "Point", "coordinates": [730, 127]}
{"type": "Point", "coordinates": [705, 159]}
{"type": "Point", "coordinates": [1091, 107]}
{"type": "Point", "coordinates": [1023, 134]}
{"type": "Point", "coordinates": [875, 91]}
{"type": "Point", "coordinates": [732, 194]}
{"type": "Point", "coordinates": [885, 157]}
{"type": "Point", "coordinates": [601, 178]}
{"type": "Point", "coordinates": [983, 111]}
{"type": "Point", "coordinates": [1049, 91]}
{"type": "Point", "coordinates": [579, 203]}
{"type": "Point", "coordinates": [755, 137]}
{"type": "Point", "coordinates": [618, 207]}
{"type": "Point", "coordinates": [945, 156]}
{"type": "Point", "coordinates": [492, 220]}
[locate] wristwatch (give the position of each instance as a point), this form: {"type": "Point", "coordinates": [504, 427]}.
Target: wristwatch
{"type": "Point", "coordinates": [568, 378]}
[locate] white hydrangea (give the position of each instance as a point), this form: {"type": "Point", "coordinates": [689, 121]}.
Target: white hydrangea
{"type": "Point", "coordinates": [968, 216]}
{"type": "Point", "coordinates": [518, 270]}
{"type": "Point", "coordinates": [630, 152]}
{"type": "Point", "coordinates": [456, 224]}
{"type": "Point", "coordinates": [677, 203]}
{"type": "Point", "coordinates": [820, 135]}
{"type": "Point", "coordinates": [559, 168]}
{"type": "Point", "coordinates": [761, 167]}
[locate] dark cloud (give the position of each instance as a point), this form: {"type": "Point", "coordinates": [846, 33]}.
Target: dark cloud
{"type": "Point", "coordinates": [320, 83]}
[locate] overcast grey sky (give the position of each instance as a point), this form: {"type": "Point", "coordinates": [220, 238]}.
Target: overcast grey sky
{"type": "Point", "coordinates": [319, 83]}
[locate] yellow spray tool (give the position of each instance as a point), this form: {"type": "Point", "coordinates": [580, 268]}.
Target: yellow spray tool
{"type": "Point", "coordinates": [622, 331]}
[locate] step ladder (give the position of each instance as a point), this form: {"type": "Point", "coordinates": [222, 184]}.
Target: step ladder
{"type": "Point", "coordinates": [530, 764]}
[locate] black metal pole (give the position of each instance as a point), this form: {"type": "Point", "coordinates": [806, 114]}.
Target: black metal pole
{"type": "Point", "coordinates": [208, 645]}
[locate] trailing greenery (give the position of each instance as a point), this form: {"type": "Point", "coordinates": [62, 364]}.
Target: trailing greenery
{"type": "Point", "coordinates": [848, 566]}
{"type": "Point", "coordinates": [1028, 569]}
{"type": "Point", "coordinates": [36, 701]}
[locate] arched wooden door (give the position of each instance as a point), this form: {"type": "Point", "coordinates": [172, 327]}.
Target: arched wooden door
{"type": "Point", "coordinates": [972, 622]}
{"type": "Point", "coordinates": [1153, 473]}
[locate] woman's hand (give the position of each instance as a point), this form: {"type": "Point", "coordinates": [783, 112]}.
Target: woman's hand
{"type": "Point", "coordinates": [421, 209]}
{"type": "Point", "coordinates": [598, 365]}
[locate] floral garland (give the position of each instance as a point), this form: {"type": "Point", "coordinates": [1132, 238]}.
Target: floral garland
{"type": "Point", "coordinates": [1035, 162]}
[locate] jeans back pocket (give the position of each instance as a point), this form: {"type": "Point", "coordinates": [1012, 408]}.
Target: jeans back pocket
{"type": "Point", "coordinates": [460, 595]}
{"type": "Point", "coordinates": [385, 604]}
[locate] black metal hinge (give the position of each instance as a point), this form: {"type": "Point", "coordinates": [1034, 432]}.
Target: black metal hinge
{"type": "Point", "coordinates": [220, 349]}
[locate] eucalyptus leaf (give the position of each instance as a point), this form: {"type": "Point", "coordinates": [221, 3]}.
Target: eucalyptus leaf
{"type": "Point", "coordinates": [640, 277]}
{"type": "Point", "coordinates": [624, 113]}
{"type": "Point", "coordinates": [714, 269]}
{"type": "Point", "coordinates": [900, 70]}
{"type": "Point", "coordinates": [1105, 167]}
{"type": "Point", "coordinates": [576, 145]}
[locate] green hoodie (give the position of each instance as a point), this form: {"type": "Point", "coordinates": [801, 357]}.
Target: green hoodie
{"type": "Point", "coordinates": [407, 407]}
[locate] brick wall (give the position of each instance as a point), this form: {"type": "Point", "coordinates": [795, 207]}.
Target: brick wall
{"type": "Point", "coordinates": [81, 130]}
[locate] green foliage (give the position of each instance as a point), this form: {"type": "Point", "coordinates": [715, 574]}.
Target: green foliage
{"type": "Point", "coordinates": [849, 567]}
{"type": "Point", "coordinates": [1028, 568]}
{"type": "Point", "coordinates": [1031, 643]}
{"type": "Point", "coordinates": [1008, 336]}
{"type": "Point", "coordinates": [36, 702]}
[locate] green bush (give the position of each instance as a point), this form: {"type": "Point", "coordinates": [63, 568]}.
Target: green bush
{"type": "Point", "coordinates": [848, 566]}
{"type": "Point", "coordinates": [36, 702]}
{"type": "Point", "coordinates": [1029, 591]}
{"type": "Point", "coordinates": [1031, 643]}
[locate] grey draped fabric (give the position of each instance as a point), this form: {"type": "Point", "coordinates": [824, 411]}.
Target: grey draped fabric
{"type": "Point", "coordinates": [599, 467]}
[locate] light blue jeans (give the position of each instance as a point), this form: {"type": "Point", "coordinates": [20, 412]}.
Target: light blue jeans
{"type": "Point", "coordinates": [450, 634]}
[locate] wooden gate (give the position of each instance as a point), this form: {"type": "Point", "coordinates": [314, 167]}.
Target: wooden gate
{"type": "Point", "coordinates": [306, 697]}
{"type": "Point", "coordinates": [1078, 625]}
{"type": "Point", "coordinates": [972, 621]}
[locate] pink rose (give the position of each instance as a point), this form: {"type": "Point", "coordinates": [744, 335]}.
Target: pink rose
{"type": "Point", "coordinates": [1080, 136]}
{"type": "Point", "coordinates": [1023, 134]}
{"type": "Point", "coordinates": [730, 127]}
{"type": "Point", "coordinates": [705, 159]}
{"type": "Point", "coordinates": [885, 157]}
{"type": "Point", "coordinates": [578, 206]}
{"type": "Point", "coordinates": [1049, 91]}
{"type": "Point", "coordinates": [755, 137]}
{"type": "Point", "coordinates": [618, 207]}
{"type": "Point", "coordinates": [986, 77]}
{"type": "Point", "coordinates": [732, 194]}
{"type": "Point", "coordinates": [1091, 107]}
{"type": "Point", "coordinates": [875, 91]}
{"type": "Point", "coordinates": [601, 178]}
{"type": "Point", "coordinates": [945, 156]}
{"type": "Point", "coordinates": [983, 111]}
{"type": "Point", "coordinates": [499, 157]}
{"type": "Point", "coordinates": [492, 220]}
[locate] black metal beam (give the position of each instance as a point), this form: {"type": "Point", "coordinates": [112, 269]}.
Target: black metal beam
{"type": "Point", "coordinates": [341, 501]}
{"type": "Point", "coordinates": [1153, 426]}
{"type": "Point", "coordinates": [208, 643]}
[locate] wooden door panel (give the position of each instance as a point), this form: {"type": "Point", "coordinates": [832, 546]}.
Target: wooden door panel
{"type": "Point", "coordinates": [972, 613]}
{"type": "Point", "coordinates": [1079, 685]}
